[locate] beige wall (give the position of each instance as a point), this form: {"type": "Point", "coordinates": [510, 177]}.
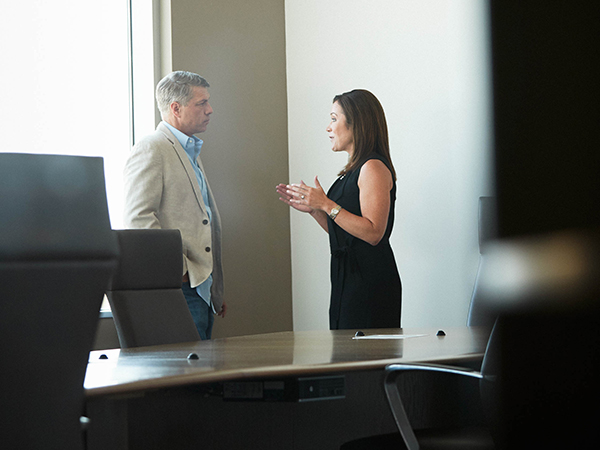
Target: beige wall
{"type": "Point", "coordinates": [240, 48]}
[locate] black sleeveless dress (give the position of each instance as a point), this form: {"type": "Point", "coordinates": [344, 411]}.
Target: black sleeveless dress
{"type": "Point", "coordinates": [365, 285]}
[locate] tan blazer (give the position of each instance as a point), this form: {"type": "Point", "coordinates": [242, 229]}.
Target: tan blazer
{"type": "Point", "coordinates": [161, 191]}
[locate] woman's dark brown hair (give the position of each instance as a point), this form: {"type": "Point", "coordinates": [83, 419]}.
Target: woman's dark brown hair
{"type": "Point", "coordinates": [365, 117]}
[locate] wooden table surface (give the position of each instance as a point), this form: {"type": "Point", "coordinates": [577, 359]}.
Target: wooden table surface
{"type": "Point", "coordinates": [274, 355]}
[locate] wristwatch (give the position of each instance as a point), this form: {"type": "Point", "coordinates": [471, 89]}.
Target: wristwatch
{"type": "Point", "coordinates": [334, 212]}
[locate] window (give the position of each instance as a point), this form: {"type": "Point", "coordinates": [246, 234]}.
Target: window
{"type": "Point", "coordinates": [65, 83]}
{"type": "Point", "coordinates": [67, 86]}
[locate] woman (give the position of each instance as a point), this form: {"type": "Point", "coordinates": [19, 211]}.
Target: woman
{"type": "Point", "coordinates": [358, 214]}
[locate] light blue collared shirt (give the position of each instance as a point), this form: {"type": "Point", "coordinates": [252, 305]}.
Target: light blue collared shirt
{"type": "Point", "coordinates": [192, 146]}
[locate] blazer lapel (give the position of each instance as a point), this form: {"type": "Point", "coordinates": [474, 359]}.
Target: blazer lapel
{"type": "Point", "coordinates": [185, 161]}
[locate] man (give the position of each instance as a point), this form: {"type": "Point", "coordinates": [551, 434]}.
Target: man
{"type": "Point", "coordinates": [165, 187]}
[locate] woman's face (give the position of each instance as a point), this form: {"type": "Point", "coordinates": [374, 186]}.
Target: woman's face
{"type": "Point", "coordinates": [340, 135]}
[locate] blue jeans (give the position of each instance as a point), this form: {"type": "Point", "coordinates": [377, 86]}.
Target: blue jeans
{"type": "Point", "coordinates": [201, 312]}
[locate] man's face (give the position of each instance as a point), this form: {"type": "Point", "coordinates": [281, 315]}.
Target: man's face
{"type": "Point", "coordinates": [194, 117]}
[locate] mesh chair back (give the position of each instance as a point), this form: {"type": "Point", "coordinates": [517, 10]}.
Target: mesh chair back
{"type": "Point", "coordinates": [478, 314]}
{"type": "Point", "coordinates": [145, 294]}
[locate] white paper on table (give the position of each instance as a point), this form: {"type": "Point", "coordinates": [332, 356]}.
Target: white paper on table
{"type": "Point", "coordinates": [389, 336]}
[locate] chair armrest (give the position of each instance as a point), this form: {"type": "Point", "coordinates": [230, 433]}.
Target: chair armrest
{"type": "Point", "coordinates": [393, 394]}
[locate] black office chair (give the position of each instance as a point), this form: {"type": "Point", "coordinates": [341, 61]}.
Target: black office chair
{"type": "Point", "coordinates": [145, 294]}
{"type": "Point", "coordinates": [464, 405]}
{"type": "Point", "coordinates": [478, 313]}
{"type": "Point", "coordinates": [57, 252]}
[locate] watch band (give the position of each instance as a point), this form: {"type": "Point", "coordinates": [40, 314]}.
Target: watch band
{"type": "Point", "coordinates": [334, 212]}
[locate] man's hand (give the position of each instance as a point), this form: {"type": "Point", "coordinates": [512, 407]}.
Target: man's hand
{"type": "Point", "coordinates": [223, 310]}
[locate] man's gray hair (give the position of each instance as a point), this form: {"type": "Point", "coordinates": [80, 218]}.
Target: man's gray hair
{"type": "Point", "coordinates": [177, 87]}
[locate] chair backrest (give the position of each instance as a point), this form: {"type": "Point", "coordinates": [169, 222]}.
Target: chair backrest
{"type": "Point", "coordinates": [478, 314]}
{"type": "Point", "coordinates": [145, 294]}
{"type": "Point", "coordinates": [57, 252]}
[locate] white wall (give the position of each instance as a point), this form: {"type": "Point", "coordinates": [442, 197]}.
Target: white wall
{"type": "Point", "coordinates": [426, 61]}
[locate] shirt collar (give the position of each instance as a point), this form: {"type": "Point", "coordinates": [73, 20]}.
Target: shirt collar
{"type": "Point", "coordinates": [191, 144]}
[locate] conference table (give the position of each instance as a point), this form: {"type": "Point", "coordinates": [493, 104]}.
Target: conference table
{"type": "Point", "coordinates": [172, 396]}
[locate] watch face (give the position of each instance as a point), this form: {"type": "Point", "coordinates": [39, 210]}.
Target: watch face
{"type": "Point", "coordinates": [334, 212]}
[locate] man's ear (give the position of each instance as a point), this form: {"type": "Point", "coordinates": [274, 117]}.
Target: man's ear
{"type": "Point", "coordinates": [175, 109]}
